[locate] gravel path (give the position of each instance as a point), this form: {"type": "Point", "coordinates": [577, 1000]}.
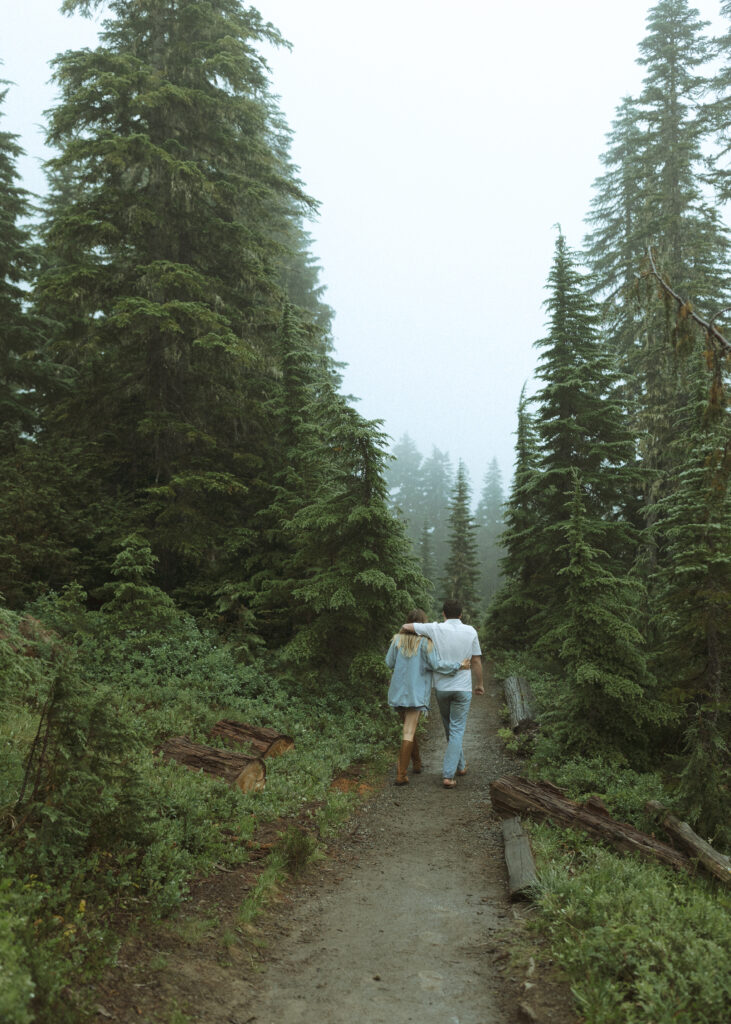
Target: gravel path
{"type": "Point", "coordinates": [407, 926]}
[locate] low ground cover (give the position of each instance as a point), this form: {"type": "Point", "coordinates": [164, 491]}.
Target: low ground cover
{"type": "Point", "coordinates": [639, 943]}
{"type": "Point", "coordinates": [94, 823]}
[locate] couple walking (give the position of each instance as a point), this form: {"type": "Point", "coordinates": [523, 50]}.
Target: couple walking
{"type": "Point", "coordinates": [447, 653]}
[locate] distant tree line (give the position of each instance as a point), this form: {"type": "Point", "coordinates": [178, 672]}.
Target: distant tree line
{"type": "Point", "coordinates": [458, 546]}
{"type": "Point", "coordinates": [617, 568]}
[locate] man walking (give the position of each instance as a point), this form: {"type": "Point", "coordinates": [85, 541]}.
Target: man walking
{"type": "Point", "coordinates": [454, 641]}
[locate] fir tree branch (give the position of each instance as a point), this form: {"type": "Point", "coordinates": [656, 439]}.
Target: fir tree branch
{"type": "Point", "coordinates": [712, 333]}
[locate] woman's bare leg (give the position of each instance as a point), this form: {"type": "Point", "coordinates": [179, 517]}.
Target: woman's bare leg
{"type": "Point", "coordinates": [411, 720]}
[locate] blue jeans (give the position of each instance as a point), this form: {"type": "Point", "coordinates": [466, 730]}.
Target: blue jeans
{"type": "Point", "coordinates": [453, 707]}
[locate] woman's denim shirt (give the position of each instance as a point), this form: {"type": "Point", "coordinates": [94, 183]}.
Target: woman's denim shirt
{"type": "Point", "coordinates": [412, 676]}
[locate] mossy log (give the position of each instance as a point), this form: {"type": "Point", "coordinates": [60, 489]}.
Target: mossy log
{"type": "Point", "coordinates": [522, 875]}
{"type": "Point", "coordinates": [246, 773]}
{"type": "Point", "coordinates": [266, 742]}
{"type": "Point", "coordinates": [521, 704]}
{"type": "Point", "coordinates": [543, 801]}
{"type": "Point", "coordinates": [680, 832]}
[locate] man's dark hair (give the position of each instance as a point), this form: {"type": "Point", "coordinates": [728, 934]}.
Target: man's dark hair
{"type": "Point", "coordinates": [452, 608]}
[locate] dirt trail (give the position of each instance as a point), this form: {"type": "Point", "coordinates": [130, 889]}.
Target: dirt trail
{"type": "Point", "coordinates": [406, 920]}
{"type": "Point", "coordinates": [410, 927]}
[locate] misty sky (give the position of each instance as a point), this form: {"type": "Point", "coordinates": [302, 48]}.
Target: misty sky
{"type": "Point", "coordinates": [444, 139]}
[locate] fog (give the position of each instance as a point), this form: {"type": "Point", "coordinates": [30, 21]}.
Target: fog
{"type": "Point", "coordinates": [444, 141]}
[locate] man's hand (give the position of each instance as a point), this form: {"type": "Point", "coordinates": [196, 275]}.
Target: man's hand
{"type": "Point", "coordinates": [408, 627]}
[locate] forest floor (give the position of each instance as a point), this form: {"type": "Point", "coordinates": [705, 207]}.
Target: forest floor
{"type": "Point", "coordinates": [406, 919]}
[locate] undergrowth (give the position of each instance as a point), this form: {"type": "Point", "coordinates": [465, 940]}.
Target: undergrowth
{"type": "Point", "coordinates": [93, 822]}
{"type": "Point", "coordinates": [638, 942]}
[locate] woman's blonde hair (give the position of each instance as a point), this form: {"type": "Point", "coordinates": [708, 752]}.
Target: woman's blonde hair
{"type": "Point", "coordinates": [408, 643]}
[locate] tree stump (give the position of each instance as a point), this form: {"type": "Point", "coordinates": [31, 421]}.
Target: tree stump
{"type": "Point", "coordinates": [246, 773]}
{"type": "Point", "coordinates": [543, 801]}
{"type": "Point", "coordinates": [521, 704]}
{"type": "Point", "coordinates": [266, 742]}
{"type": "Point", "coordinates": [715, 863]}
{"type": "Point", "coordinates": [522, 873]}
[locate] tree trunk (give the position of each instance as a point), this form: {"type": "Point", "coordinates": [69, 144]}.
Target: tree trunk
{"type": "Point", "coordinates": [266, 742]}
{"type": "Point", "coordinates": [246, 773]}
{"type": "Point", "coordinates": [715, 863]}
{"type": "Point", "coordinates": [518, 858]}
{"type": "Point", "coordinates": [521, 703]}
{"type": "Point", "coordinates": [543, 801]}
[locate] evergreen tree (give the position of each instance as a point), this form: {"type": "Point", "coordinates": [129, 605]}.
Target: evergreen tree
{"type": "Point", "coordinates": [615, 245]}
{"type": "Point", "coordinates": [134, 601]}
{"type": "Point", "coordinates": [357, 576]}
{"type": "Point", "coordinates": [489, 519]}
{"type": "Point", "coordinates": [404, 478]}
{"type": "Point", "coordinates": [581, 428]}
{"type": "Point", "coordinates": [602, 702]}
{"type": "Point", "coordinates": [461, 572]}
{"type": "Point", "coordinates": [428, 565]}
{"type": "Point", "coordinates": [19, 373]}
{"type": "Point", "coordinates": [717, 113]}
{"type": "Point", "coordinates": [437, 481]}
{"type": "Point", "coordinates": [693, 526]}
{"type": "Point", "coordinates": [514, 606]}
{"type": "Point", "coordinates": [167, 231]}
{"type": "Point", "coordinates": [300, 413]}
{"type": "Point", "coordinates": [653, 195]}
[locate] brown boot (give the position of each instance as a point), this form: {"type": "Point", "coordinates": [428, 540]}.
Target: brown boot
{"type": "Point", "coordinates": [403, 762]}
{"type": "Point", "coordinates": [416, 758]}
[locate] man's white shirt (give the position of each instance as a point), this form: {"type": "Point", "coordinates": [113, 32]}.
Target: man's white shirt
{"type": "Point", "coordinates": [454, 640]}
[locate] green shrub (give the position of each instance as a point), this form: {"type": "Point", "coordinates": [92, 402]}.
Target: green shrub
{"type": "Point", "coordinates": [102, 822]}
{"type": "Point", "coordinates": [638, 942]}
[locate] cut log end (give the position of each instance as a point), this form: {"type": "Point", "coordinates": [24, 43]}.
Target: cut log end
{"type": "Point", "coordinates": [253, 778]}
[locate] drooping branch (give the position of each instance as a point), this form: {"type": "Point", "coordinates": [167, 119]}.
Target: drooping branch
{"type": "Point", "coordinates": [685, 309]}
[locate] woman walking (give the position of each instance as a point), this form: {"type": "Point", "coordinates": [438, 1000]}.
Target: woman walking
{"type": "Point", "coordinates": [412, 659]}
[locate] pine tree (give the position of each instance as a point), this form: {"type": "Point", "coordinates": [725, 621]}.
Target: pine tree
{"type": "Point", "coordinates": [694, 598]}
{"type": "Point", "coordinates": [513, 607]}
{"type": "Point", "coordinates": [428, 565]}
{"type": "Point", "coordinates": [603, 701]}
{"type": "Point", "coordinates": [615, 246]}
{"type": "Point", "coordinates": [581, 428]}
{"type": "Point", "coordinates": [437, 482]}
{"type": "Point", "coordinates": [717, 113]}
{"type": "Point", "coordinates": [357, 576]}
{"type": "Point", "coordinates": [461, 572]}
{"type": "Point", "coordinates": [404, 478]}
{"type": "Point", "coordinates": [18, 376]}
{"type": "Point", "coordinates": [134, 602]}
{"type": "Point", "coordinates": [653, 195]}
{"type": "Point", "coordinates": [300, 412]}
{"type": "Point", "coordinates": [167, 235]}
{"type": "Point", "coordinates": [489, 519]}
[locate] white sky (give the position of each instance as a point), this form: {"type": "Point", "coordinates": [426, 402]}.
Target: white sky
{"type": "Point", "coordinates": [444, 139]}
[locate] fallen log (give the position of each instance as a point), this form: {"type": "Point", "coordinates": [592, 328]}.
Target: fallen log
{"type": "Point", "coordinates": [246, 773]}
{"type": "Point", "coordinates": [266, 742]}
{"type": "Point", "coordinates": [521, 867]}
{"type": "Point", "coordinates": [521, 703]}
{"type": "Point", "coordinates": [680, 831]}
{"type": "Point", "coordinates": [543, 801]}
